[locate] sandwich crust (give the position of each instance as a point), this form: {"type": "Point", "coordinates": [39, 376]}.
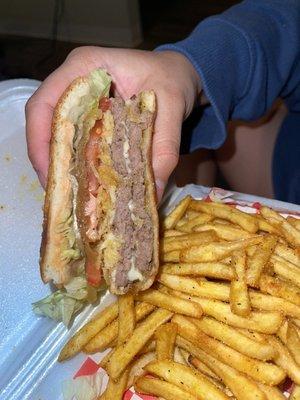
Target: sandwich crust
{"type": "Point", "coordinates": [58, 198]}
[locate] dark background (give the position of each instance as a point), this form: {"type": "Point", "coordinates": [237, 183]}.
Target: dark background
{"type": "Point", "coordinates": [163, 21]}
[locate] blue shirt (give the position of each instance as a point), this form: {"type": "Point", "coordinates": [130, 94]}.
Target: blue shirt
{"type": "Point", "coordinates": [246, 58]}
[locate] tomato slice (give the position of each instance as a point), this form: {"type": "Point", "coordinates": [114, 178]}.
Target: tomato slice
{"type": "Point", "coordinates": [93, 274]}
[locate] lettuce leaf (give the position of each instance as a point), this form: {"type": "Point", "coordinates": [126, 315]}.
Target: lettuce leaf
{"type": "Point", "coordinates": [63, 304]}
{"type": "Point", "coordinates": [100, 82]}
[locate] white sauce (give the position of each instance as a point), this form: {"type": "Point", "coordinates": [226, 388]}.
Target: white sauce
{"type": "Point", "coordinates": [126, 148]}
{"type": "Point", "coordinates": [131, 209]}
{"type": "Point", "coordinates": [74, 185]}
{"type": "Point", "coordinates": [133, 273]}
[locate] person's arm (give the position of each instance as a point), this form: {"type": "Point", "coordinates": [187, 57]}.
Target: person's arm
{"type": "Point", "coordinates": [246, 58]}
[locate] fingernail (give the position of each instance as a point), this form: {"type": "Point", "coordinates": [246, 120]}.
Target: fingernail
{"type": "Point", "coordinates": [160, 187]}
{"type": "Point", "coordinates": [42, 179]}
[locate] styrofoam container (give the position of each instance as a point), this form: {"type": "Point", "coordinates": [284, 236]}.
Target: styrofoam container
{"type": "Point", "coordinates": [29, 345]}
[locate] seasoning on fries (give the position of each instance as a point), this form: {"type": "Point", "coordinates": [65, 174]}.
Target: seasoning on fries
{"type": "Point", "coordinates": [222, 319]}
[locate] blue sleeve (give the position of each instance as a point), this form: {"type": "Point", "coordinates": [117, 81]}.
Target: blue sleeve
{"type": "Point", "coordinates": [246, 58]}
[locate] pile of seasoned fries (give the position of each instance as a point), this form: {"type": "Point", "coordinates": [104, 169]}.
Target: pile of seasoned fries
{"type": "Point", "coordinates": [222, 320]}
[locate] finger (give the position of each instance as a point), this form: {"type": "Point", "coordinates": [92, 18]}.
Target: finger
{"type": "Point", "coordinates": [38, 132]}
{"type": "Point", "coordinates": [40, 107]}
{"type": "Point", "coordinates": [166, 139]}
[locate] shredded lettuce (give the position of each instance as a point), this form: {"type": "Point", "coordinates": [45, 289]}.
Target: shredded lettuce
{"type": "Point", "coordinates": [69, 250]}
{"type": "Point", "coordinates": [100, 82]}
{"type": "Point", "coordinates": [83, 387]}
{"type": "Point", "coordinates": [63, 304]}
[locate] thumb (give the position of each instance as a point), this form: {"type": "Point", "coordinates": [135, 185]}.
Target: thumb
{"type": "Point", "coordinates": [166, 139]}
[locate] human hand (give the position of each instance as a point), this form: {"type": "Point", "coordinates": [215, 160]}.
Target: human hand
{"type": "Point", "coordinates": [169, 74]}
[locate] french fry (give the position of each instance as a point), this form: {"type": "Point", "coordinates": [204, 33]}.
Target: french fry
{"type": "Point", "coordinates": [187, 240]}
{"type": "Point", "coordinates": [285, 360]}
{"type": "Point", "coordinates": [103, 339]}
{"type": "Point", "coordinates": [190, 214]}
{"type": "Point", "coordinates": [251, 250]}
{"type": "Point", "coordinates": [286, 270]}
{"type": "Point", "coordinates": [211, 270]}
{"type": "Point", "coordinates": [124, 354]}
{"type": "Point", "coordinates": [182, 221]}
{"type": "Point", "coordinates": [126, 318]}
{"type": "Point", "coordinates": [207, 289]}
{"type": "Point", "coordinates": [295, 393]}
{"type": "Point", "coordinates": [296, 322]}
{"type": "Point", "coordinates": [235, 339]}
{"type": "Point", "coordinates": [293, 342]}
{"type": "Point", "coordinates": [277, 287]}
{"type": "Point", "coordinates": [271, 392]}
{"type": "Point", "coordinates": [224, 232]}
{"type": "Point", "coordinates": [271, 303]}
{"type": "Point", "coordinates": [88, 331]}
{"type": "Point", "coordinates": [226, 260]}
{"type": "Point", "coordinates": [106, 359]}
{"type": "Point", "coordinates": [260, 258]}
{"type": "Point", "coordinates": [215, 251]}
{"type": "Point", "coordinates": [264, 225]}
{"type": "Point", "coordinates": [115, 389]}
{"type": "Point", "coordinates": [172, 233]}
{"type": "Point", "coordinates": [258, 337]}
{"type": "Point", "coordinates": [106, 336]}
{"type": "Point", "coordinates": [294, 221]}
{"type": "Point", "coordinates": [220, 386]}
{"type": "Point", "coordinates": [291, 234]}
{"type": "Point", "coordinates": [137, 367]}
{"type": "Point", "coordinates": [186, 378]}
{"type": "Point", "coordinates": [170, 257]}
{"type": "Point", "coordinates": [158, 387]}
{"type": "Point", "coordinates": [221, 291]}
{"type": "Point", "coordinates": [224, 211]}
{"type": "Point", "coordinates": [149, 347]}
{"type": "Point", "coordinates": [258, 321]}
{"type": "Point", "coordinates": [171, 303]}
{"type": "Point", "coordinates": [271, 215]}
{"type": "Point", "coordinates": [282, 331]}
{"type": "Point", "coordinates": [165, 336]}
{"type": "Point", "coordinates": [259, 370]}
{"type": "Point", "coordinates": [289, 254]}
{"type": "Point", "coordinates": [176, 214]}
{"type": "Point", "coordinates": [195, 362]}
{"type": "Point", "coordinates": [242, 387]}
{"type": "Point", "coordinates": [239, 297]}
{"type": "Point", "coordinates": [202, 367]}
{"type": "Point", "coordinates": [198, 220]}
{"type": "Point", "coordinates": [222, 221]}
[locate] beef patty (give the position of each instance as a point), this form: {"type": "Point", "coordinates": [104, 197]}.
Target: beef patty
{"type": "Point", "coordinates": [132, 223]}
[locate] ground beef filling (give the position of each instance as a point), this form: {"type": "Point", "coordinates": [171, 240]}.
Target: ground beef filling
{"type": "Point", "coordinates": [131, 222]}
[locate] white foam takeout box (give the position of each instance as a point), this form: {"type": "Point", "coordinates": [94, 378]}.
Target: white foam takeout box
{"type": "Point", "coordinates": [29, 345]}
